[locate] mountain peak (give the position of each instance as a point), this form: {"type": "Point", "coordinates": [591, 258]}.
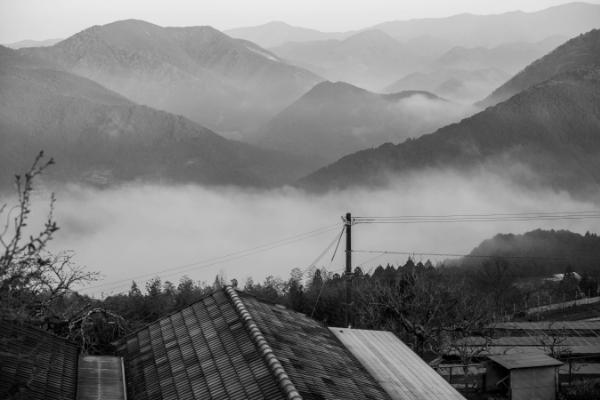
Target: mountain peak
{"type": "Point", "coordinates": [371, 35]}
{"type": "Point", "coordinates": [334, 89]}
{"type": "Point", "coordinates": [579, 52]}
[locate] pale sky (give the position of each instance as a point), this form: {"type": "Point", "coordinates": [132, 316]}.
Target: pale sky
{"type": "Point", "coordinates": [45, 19]}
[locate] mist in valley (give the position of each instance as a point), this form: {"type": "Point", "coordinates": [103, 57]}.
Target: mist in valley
{"type": "Point", "coordinates": [137, 232]}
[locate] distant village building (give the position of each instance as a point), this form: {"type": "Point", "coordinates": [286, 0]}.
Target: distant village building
{"type": "Point", "coordinates": [524, 376]}
{"type": "Point", "coordinates": [228, 345]}
{"type": "Point", "coordinates": [560, 277]}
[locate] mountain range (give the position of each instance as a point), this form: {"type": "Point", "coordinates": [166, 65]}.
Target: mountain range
{"type": "Point", "coordinates": [335, 119]}
{"type": "Point", "coordinates": [460, 85]}
{"type": "Point", "coordinates": [581, 51]}
{"type": "Point", "coordinates": [466, 30]}
{"type": "Point", "coordinates": [33, 43]}
{"type": "Point", "coordinates": [507, 57]}
{"type": "Point", "coordinates": [99, 137]}
{"type": "Point", "coordinates": [276, 33]}
{"type": "Point", "coordinates": [368, 59]}
{"type": "Point", "coordinates": [229, 85]}
{"type": "Point", "coordinates": [469, 30]}
{"type": "Point", "coordinates": [555, 123]}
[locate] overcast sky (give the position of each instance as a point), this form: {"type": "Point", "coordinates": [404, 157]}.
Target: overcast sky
{"type": "Point", "coordinates": [45, 19]}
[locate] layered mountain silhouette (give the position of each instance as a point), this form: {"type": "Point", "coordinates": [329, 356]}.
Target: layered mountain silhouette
{"type": "Point", "coordinates": [335, 119]}
{"type": "Point", "coordinates": [547, 135]}
{"type": "Point", "coordinates": [508, 57]}
{"type": "Point", "coordinates": [470, 30]}
{"type": "Point", "coordinates": [582, 51]}
{"type": "Point", "coordinates": [100, 137]}
{"type": "Point", "coordinates": [32, 43]}
{"type": "Point", "coordinates": [276, 33]}
{"type": "Point", "coordinates": [227, 84]}
{"type": "Point", "coordinates": [369, 59]}
{"type": "Point", "coordinates": [451, 83]}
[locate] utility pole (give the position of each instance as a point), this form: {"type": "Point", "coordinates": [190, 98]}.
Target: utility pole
{"type": "Point", "coordinates": [348, 274]}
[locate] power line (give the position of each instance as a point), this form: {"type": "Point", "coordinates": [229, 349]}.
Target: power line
{"type": "Point", "coordinates": [339, 238]}
{"type": "Point", "coordinates": [410, 253]}
{"type": "Point", "coordinates": [220, 259]}
{"type": "Point", "coordinates": [492, 217]}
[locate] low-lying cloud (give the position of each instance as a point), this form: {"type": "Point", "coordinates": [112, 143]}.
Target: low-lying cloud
{"type": "Point", "coordinates": [141, 231]}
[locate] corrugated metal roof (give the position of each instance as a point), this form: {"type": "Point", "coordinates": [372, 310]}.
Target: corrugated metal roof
{"type": "Point", "coordinates": [525, 360]}
{"type": "Point", "coordinates": [36, 364]}
{"type": "Point", "coordinates": [400, 371]}
{"type": "Point", "coordinates": [100, 378]}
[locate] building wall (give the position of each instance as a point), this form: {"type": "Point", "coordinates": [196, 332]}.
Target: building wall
{"type": "Point", "coordinates": [533, 384]}
{"type": "Point", "coordinates": [494, 373]}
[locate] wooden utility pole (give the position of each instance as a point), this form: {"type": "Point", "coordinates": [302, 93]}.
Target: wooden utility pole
{"type": "Point", "coordinates": [348, 274]}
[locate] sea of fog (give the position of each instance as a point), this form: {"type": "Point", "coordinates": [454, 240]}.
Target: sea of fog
{"type": "Point", "coordinates": [137, 232]}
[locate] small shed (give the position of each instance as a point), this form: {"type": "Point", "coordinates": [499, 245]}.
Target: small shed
{"type": "Point", "coordinates": [522, 376]}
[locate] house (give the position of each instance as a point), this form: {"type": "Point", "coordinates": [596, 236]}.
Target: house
{"type": "Point", "coordinates": [230, 345]}
{"type": "Point", "coordinates": [523, 376]}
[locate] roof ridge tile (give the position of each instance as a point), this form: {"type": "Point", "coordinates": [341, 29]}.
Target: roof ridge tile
{"type": "Point", "coordinates": [282, 378]}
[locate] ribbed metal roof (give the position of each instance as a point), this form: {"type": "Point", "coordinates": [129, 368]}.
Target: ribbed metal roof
{"type": "Point", "coordinates": [100, 378]}
{"type": "Point", "coordinates": [400, 371]}
{"type": "Point", "coordinates": [525, 360]}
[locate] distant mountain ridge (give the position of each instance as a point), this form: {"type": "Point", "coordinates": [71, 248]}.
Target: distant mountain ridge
{"type": "Point", "coordinates": [471, 30]}
{"type": "Point", "coordinates": [553, 123]}
{"type": "Point", "coordinates": [32, 43]}
{"type": "Point", "coordinates": [454, 84]}
{"type": "Point", "coordinates": [336, 118]}
{"type": "Point", "coordinates": [540, 253]}
{"type": "Point", "coordinates": [227, 84]}
{"type": "Point", "coordinates": [276, 33]}
{"type": "Point", "coordinates": [579, 52]}
{"type": "Point", "coordinates": [508, 57]}
{"type": "Point", "coordinates": [369, 59]}
{"type": "Point", "coordinates": [467, 30]}
{"type": "Point", "coordinates": [97, 136]}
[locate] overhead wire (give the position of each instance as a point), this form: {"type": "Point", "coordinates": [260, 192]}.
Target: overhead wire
{"type": "Point", "coordinates": [330, 262]}
{"type": "Point", "coordinates": [402, 219]}
{"type": "Point", "coordinates": [425, 253]}
{"type": "Point", "coordinates": [492, 217]}
{"type": "Point", "coordinates": [220, 259]}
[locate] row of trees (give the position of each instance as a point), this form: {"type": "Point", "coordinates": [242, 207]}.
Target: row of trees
{"type": "Point", "coordinates": [429, 307]}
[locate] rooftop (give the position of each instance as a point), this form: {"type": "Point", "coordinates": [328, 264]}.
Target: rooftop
{"type": "Point", "coordinates": [401, 372]}
{"type": "Point", "coordinates": [525, 360]}
{"type": "Point", "coordinates": [36, 364]}
{"type": "Point", "coordinates": [232, 346]}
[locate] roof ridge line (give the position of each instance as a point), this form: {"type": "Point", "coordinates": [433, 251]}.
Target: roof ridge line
{"type": "Point", "coordinates": [282, 378]}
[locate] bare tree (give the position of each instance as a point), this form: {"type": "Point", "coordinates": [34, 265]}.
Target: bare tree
{"type": "Point", "coordinates": [31, 278]}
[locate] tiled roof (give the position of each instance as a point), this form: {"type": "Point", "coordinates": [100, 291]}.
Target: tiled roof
{"type": "Point", "coordinates": [203, 351]}
{"type": "Point", "coordinates": [36, 364]}
{"type": "Point", "coordinates": [399, 370]}
{"type": "Point", "coordinates": [318, 364]}
{"type": "Point", "coordinates": [230, 346]}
